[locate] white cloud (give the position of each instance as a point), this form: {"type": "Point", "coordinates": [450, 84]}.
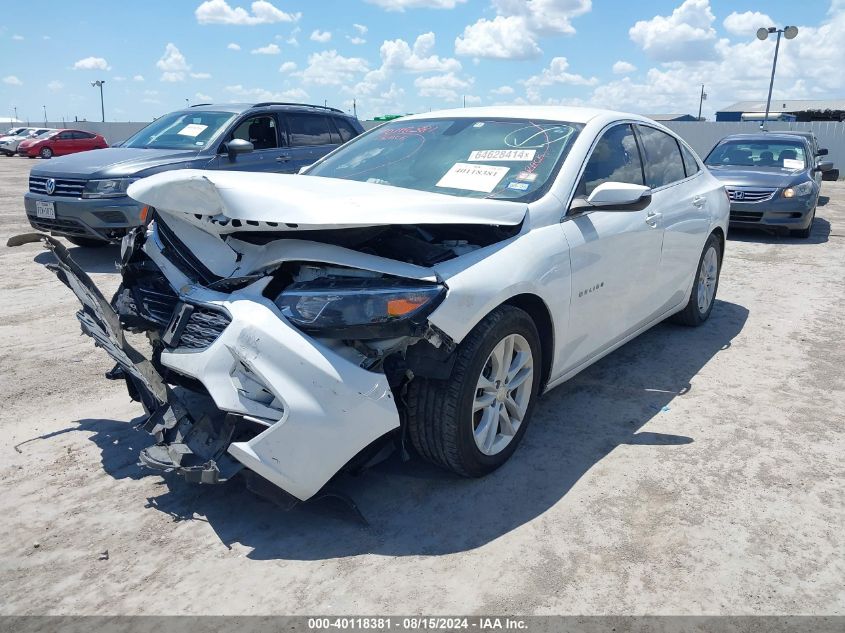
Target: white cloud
{"type": "Point", "coordinates": [556, 73]}
{"type": "Point", "coordinates": [499, 38]}
{"type": "Point", "coordinates": [401, 5]}
{"type": "Point", "coordinates": [18, 38]}
{"type": "Point", "coordinates": [399, 56]}
{"type": "Point", "coordinates": [92, 63]}
{"type": "Point", "coordinates": [320, 36]}
{"type": "Point", "coordinates": [12, 80]}
{"type": "Point", "coordinates": [233, 47]}
{"type": "Point", "coordinates": [517, 27]}
{"type": "Point", "coordinates": [356, 40]}
{"type": "Point", "coordinates": [118, 78]}
{"type": "Point", "coordinates": [545, 16]}
{"type": "Point", "coordinates": [292, 39]}
{"type": "Point", "coordinates": [262, 94]}
{"type": "Point", "coordinates": [263, 12]}
{"type": "Point", "coordinates": [686, 35]}
{"type": "Point", "coordinates": [623, 68]}
{"type": "Point", "coordinates": [287, 67]}
{"type": "Point", "coordinates": [329, 68]}
{"type": "Point", "coordinates": [138, 78]}
{"type": "Point", "coordinates": [360, 28]}
{"type": "Point", "coordinates": [444, 87]}
{"type": "Point", "coordinates": [201, 75]}
{"type": "Point", "coordinates": [502, 91]}
{"type": "Point", "coordinates": [202, 97]}
{"type": "Point", "coordinates": [173, 64]}
{"type": "Point", "coordinates": [746, 24]}
{"type": "Point", "coordinates": [270, 49]}
{"type": "Point", "coordinates": [55, 86]}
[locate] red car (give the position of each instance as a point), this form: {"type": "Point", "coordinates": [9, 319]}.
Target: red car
{"type": "Point", "coordinates": [61, 142]}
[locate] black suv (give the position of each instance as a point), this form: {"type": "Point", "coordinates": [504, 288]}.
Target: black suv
{"type": "Point", "coordinates": [83, 196]}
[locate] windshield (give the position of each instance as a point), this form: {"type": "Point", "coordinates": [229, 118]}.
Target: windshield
{"type": "Point", "coordinates": [509, 159]}
{"type": "Point", "coordinates": [779, 154]}
{"type": "Point", "coordinates": [181, 130]}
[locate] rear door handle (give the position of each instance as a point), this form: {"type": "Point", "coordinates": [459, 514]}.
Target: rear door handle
{"type": "Point", "coordinates": [283, 158]}
{"type": "Point", "coordinates": [699, 201]}
{"type": "Point", "coordinates": [652, 218]}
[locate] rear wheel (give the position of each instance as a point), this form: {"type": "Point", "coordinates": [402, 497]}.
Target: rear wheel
{"type": "Point", "coordinates": [46, 152]}
{"type": "Point", "coordinates": [88, 242]}
{"type": "Point", "coordinates": [703, 294]}
{"type": "Point", "coordinates": [805, 233]}
{"type": "Point", "coordinates": [472, 422]}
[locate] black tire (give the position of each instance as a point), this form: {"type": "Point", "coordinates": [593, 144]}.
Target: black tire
{"type": "Point", "coordinates": [9, 154]}
{"type": "Point", "coordinates": [692, 315]}
{"type": "Point", "coordinates": [45, 152]}
{"type": "Point", "coordinates": [440, 412]}
{"type": "Point", "coordinates": [805, 233]}
{"type": "Point", "coordinates": [88, 242]}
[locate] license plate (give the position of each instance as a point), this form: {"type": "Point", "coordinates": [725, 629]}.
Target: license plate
{"type": "Point", "coordinates": [45, 210]}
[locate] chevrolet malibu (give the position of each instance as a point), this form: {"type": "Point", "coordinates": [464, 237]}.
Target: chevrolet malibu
{"type": "Point", "coordinates": [421, 285]}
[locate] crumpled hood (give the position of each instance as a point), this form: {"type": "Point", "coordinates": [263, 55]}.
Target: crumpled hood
{"type": "Point", "coordinates": [299, 202]}
{"type": "Point", "coordinates": [112, 162]}
{"type": "Point", "coordinates": [758, 177]}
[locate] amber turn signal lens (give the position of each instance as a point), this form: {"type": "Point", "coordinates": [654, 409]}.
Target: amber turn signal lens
{"type": "Point", "coordinates": [146, 216]}
{"type": "Point", "coordinates": [400, 307]}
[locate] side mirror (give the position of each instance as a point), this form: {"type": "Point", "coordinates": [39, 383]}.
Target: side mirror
{"type": "Point", "coordinates": [822, 151]}
{"type": "Point", "coordinates": [238, 146]}
{"type": "Point", "coordinates": [618, 194]}
{"type": "Point", "coordinates": [824, 166]}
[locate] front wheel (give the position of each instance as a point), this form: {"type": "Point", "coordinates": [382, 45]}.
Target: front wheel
{"type": "Point", "coordinates": [46, 152]}
{"type": "Point", "coordinates": [703, 294]}
{"type": "Point", "coordinates": [472, 422]}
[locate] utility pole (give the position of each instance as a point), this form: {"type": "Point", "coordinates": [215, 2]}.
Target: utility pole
{"type": "Point", "coordinates": [99, 83]}
{"type": "Point", "coordinates": [354, 108]}
{"type": "Point", "coordinates": [16, 112]}
{"type": "Point", "coordinates": [701, 100]}
{"type": "Point", "coordinates": [465, 101]}
{"type": "Point", "coordinates": [45, 114]}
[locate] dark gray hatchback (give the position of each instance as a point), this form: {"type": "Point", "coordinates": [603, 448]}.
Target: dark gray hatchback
{"type": "Point", "coordinates": [773, 180]}
{"type": "Point", "coordinates": [83, 196]}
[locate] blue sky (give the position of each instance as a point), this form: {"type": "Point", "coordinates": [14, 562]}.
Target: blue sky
{"type": "Point", "coordinates": [409, 55]}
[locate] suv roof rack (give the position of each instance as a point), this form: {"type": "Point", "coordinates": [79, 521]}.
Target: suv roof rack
{"type": "Point", "coordinates": [304, 105]}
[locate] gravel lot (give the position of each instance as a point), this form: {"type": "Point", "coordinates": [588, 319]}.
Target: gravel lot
{"type": "Point", "coordinates": [690, 472]}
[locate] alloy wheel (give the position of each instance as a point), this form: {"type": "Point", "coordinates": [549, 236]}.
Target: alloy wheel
{"type": "Point", "coordinates": [502, 394]}
{"type": "Point", "coordinates": [708, 276]}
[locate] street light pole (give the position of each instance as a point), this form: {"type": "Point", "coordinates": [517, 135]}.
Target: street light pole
{"type": "Point", "coordinates": [762, 33]}
{"type": "Point", "coordinates": [99, 83]}
{"type": "Point", "coordinates": [45, 114]}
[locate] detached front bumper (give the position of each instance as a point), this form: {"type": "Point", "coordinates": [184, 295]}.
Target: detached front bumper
{"type": "Point", "coordinates": [315, 408]}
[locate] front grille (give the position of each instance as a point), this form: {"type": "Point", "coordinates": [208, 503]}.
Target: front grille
{"type": "Point", "coordinates": [60, 225]}
{"type": "Point", "coordinates": [204, 326]}
{"type": "Point", "coordinates": [746, 216]}
{"type": "Point", "coordinates": [742, 194]}
{"type": "Point", "coordinates": [180, 256]}
{"type": "Point", "coordinates": [65, 187]}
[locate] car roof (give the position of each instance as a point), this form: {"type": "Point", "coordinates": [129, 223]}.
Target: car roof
{"type": "Point", "coordinates": [569, 114]}
{"type": "Point", "coordinates": [763, 136]}
{"type": "Point", "coordinates": [239, 108]}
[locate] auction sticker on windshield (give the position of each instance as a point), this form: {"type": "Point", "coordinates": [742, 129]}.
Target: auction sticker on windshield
{"type": "Point", "coordinates": [482, 178]}
{"type": "Point", "coordinates": [192, 129]}
{"type": "Point", "coordinates": [524, 155]}
{"type": "Point", "coordinates": [792, 163]}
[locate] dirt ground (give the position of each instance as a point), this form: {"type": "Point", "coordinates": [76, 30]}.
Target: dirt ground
{"type": "Point", "coordinates": [694, 471]}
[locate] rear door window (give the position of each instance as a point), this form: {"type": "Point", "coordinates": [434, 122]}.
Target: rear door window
{"type": "Point", "coordinates": [690, 164]}
{"type": "Point", "coordinates": [308, 130]}
{"type": "Point", "coordinates": [663, 162]}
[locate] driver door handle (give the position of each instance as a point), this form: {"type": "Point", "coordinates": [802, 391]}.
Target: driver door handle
{"type": "Point", "coordinates": [283, 158]}
{"type": "Point", "coordinates": [653, 218]}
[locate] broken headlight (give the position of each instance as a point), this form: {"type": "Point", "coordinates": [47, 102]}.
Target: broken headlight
{"type": "Point", "coordinates": [111, 188]}
{"type": "Point", "coordinates": [359, 308]}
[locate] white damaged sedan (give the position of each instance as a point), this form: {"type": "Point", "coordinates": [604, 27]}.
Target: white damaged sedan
{"type": "Point", "coordinates": [420, 286]}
